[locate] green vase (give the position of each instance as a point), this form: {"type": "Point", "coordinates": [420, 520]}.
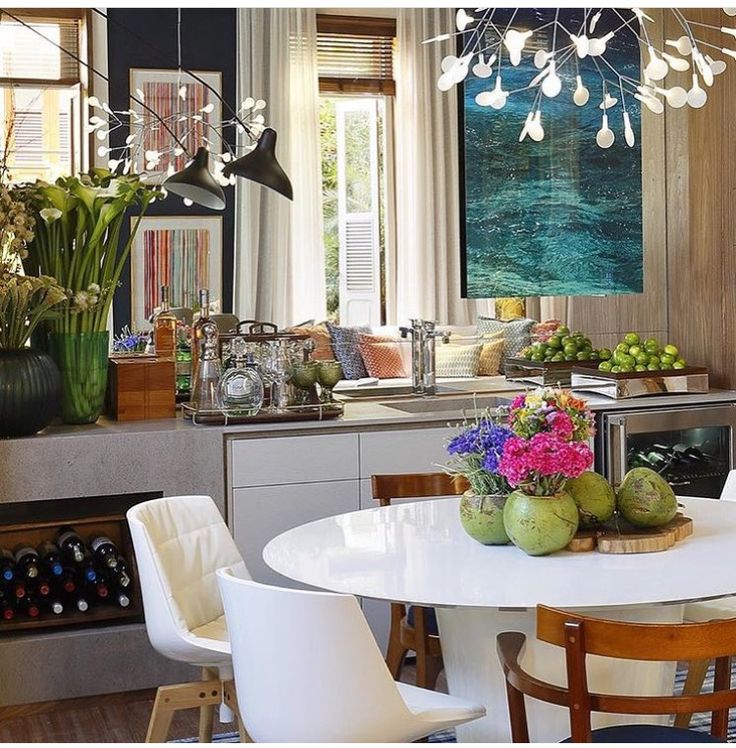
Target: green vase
{"type": "Point", "coordinates": [82, 361]}
{"type": "Point", "coordinates": [540, 525]}
{"type": "Point", "coordinates": [482, 518]}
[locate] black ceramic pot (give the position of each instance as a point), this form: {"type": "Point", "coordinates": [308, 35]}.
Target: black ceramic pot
{"type": "Point", "coordinates": [29, 391]}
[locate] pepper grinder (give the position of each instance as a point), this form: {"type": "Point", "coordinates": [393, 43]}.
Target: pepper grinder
{"type": "Point", "coordinates": [205, 391]}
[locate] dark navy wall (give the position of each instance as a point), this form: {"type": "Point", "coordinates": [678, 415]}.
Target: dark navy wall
{"type": "Point", "coordinates": [147, 39]}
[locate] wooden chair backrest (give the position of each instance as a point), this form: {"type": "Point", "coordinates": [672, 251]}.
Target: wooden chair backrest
{"type": "Point", "coordinates": [415, 486]}
{"type": "Point", "coordinates": [581, 635]}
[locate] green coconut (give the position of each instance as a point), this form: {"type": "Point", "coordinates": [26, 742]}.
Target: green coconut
{"type": "Point", "coordinates": [645, 499]}
{"type": "Point", "coordinates": [595, 498]}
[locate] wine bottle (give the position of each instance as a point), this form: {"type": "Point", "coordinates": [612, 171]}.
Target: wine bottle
{"type": "Point", "coordinates": [100, 588]}
{"type": "Point", "coordinates": [19, 590]}
{"type": "Point", "coordinates": [104, 551]}
{"type": "Point", "coordinates": [69, 579]}
{"type": "Point", "coordinates": [43, 587]}
{"type": "Point", "coordinates": [7, 565]}
{"type": "Point", "coordinates": [50, 556]}
{"type": "Point", "coordinates": [55, 606]}
{"type": "Point", "coordinates": [7, 611]}
{"type": "Point", "coordinates": [29, 606]}
{"type": "Point", "coordinates": [120, 574]}
{"type": "Point", "coordinates": [26, 561]}
{"type": "Point", "coordinates": [78, 601]}
{"type": "Point", "coordinates": [164, 327]}
{"type": "Point", "coordinates": [70, 544]}
{"type": "Point", "coordinates": [87, 568]}
{"type": "Point", "coordinates": [122, 599]}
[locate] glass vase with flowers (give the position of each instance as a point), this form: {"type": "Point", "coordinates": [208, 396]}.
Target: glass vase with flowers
{"type": "Point", "coordinates": [549, 445]}
{"type": "Point", "coordinates": [475, 453]}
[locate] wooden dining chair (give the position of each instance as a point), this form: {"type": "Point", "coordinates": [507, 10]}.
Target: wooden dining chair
{"type": "Point", "coordinates": [415, 628]}
{"type": "Point", "coordinates": [581, 636]}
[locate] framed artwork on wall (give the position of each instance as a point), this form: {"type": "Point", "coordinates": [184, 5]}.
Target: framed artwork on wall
{"type": "Point", "coordinates": [181, 252]}
{"type": "Point", "coordinates": [172, 94]}
{"type": "Point", "coordinates": [560, 217]}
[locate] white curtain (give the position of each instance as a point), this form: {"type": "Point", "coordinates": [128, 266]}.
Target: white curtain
{"type": "Point", "coordinates": [427, 261]}
{"type": "Point", "coordinates": [279, 255]}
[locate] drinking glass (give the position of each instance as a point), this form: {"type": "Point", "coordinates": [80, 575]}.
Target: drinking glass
{"type": "Point", "coordinates": [328, 375]}
{"type": "Point", "coordinates": [304, 377]}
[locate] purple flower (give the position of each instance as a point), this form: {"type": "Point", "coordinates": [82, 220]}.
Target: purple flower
{"type": "Point", "coordinates": [467, 442]}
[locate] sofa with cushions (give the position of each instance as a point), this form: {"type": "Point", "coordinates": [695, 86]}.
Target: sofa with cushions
{"type": "Point", "coordinates": [381, 353]}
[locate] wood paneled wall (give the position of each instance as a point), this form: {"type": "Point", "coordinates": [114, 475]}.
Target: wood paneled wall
{"type": "Point", "coordinates": [701, 205]}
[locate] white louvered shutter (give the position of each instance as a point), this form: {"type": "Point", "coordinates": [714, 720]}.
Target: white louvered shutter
{"type": "Point", "coordinates": [358, 217]}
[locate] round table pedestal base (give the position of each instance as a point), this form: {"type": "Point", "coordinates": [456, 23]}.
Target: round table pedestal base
{"type": "Point", "coordinates": [473, 670]}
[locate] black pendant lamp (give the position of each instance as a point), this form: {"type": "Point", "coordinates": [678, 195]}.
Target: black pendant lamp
{"type": "Point", "coordinates": [196, 183]}
{"type": "Point", "coordinates": [260, 165]}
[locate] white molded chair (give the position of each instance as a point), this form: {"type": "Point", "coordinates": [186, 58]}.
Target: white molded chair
{"type": "Point", "coordinates": [307, 669]}
{"type": "Point", "coordinates": [708, 610]}
{"type": "Point", "coordinates": [180, 542]}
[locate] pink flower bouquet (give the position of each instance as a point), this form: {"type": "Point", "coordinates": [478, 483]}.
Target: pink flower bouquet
{"type": "Point", "coordinates": [551, 429]}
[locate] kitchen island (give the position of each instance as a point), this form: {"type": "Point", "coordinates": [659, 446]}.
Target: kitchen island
{"type": "Point", "coordinates": [266, 478]}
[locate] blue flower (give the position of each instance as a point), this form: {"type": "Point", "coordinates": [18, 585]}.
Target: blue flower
{"type": "Point", "coordinates": [467, 442]}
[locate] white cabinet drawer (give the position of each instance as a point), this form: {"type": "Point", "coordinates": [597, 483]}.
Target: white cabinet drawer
{"type": "Point", "coordinates": [410, 451]}
{"type": "Point", "coordinates": [293, 459]}
{"type": "Point", "coordinates": [260, 514]}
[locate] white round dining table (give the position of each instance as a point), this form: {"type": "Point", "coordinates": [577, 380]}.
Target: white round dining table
{"type": "Point", "coordinates": [417, 552]}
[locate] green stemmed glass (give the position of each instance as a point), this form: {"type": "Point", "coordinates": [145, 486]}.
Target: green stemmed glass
{"type": "Point", "coordinates": [304, 377]}
{"type": "Point", "coordinates": [329, 374]}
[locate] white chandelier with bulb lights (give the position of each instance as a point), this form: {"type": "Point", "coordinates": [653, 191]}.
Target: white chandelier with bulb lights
{"type": "Point", "coordinates": [575, 47]}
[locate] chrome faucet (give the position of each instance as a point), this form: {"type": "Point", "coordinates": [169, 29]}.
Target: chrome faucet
{"type": "Point", "coordinates": [423, 372]}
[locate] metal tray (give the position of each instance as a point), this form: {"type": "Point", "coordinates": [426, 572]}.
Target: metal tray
{"type": "Point", "coordinates": [224, 417]}
{"type": "Point", "coordinates": [545, 373]}
{"type": "Point", "coordinates": [690, 380]}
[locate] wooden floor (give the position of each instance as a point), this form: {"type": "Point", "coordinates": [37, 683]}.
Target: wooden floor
{"type": "Point", "coordinates": [120, 718]}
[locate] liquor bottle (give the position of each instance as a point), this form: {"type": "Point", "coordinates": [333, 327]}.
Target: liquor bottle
{"type": "Point", "coordinates": [197, 327]}
{"type": "Point", "coordinates": [241, 388]}
{"type": "Point", "coordinates": [70, 544]}
{"type": "Point", "coordinates": [164, 328]}
{"type": "Point", "coordinates": [7, 565]}
{"type": "Point", "coordinates": [29, 606]}
{"type": "Point", "coordinates": [26, 561]}
{"type": "Point", "coordinates": [205, 388]}
{"type": "Point", "coordinates": [50, 556]}
{"type": "Point", "coordinates": [104, 551]}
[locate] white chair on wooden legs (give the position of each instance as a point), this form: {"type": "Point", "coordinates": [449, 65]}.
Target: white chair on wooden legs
{"type": "Point", "coordinates": [179, 543]}
{"type": "Point", "coordinates": [707, 611]}
{"type": "Point", "coordinates": [307, 669]}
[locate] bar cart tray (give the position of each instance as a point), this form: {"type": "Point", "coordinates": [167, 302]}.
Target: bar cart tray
{"type": "Point", "coordinates": [223, 417]}
{"type": "Point", "coordinates": [543, 372]}
{"type": "Point", "coordinates": [625, 385]}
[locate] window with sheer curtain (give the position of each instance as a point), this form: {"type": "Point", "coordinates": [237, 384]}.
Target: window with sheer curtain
{"type": "Point", "coordinates": [41, 123]}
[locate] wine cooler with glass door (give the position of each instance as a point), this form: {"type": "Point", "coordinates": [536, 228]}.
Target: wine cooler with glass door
{"type": "Point", "coordinates": [692, 448]}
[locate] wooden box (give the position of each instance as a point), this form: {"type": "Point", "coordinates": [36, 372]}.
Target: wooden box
{"type": "Point", "coordinates": [141, 388]}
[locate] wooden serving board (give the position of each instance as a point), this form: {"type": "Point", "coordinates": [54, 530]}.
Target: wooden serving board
{"type": "Point", "coordinates": [627, 539]}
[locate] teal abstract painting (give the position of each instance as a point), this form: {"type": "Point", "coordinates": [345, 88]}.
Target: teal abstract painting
{"type": "Point", "coordinates": [560, 217]}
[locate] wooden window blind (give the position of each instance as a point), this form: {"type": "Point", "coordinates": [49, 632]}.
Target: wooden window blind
{"type": "Point", "coordinates": [355, 54]}
{"type": "Point", "coordinates": [25, 58]}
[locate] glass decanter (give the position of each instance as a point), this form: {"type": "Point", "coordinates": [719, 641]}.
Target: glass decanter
{"type": "Point", "coordinates": [206, 386]}
{"type": "Point", "coordinates": [241, 388]}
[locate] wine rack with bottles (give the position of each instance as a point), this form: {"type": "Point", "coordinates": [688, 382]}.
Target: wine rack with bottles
{"type": "Point", "coordinates": [70, 573]}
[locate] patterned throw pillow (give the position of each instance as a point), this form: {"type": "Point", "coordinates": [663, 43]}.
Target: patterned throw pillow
{"type": "Point", "coordinates": [346, 346]}
{"type": "Point", "coordinates": [321, 337]}
{"type": "Point", "coordinates": [458, 360]}
{"type": "Point", "coordinates": [382, 356]}
{"type": "Point", "coordinates": [516, 332]}
{"type": "Point", "coordinates": [491, 355]}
